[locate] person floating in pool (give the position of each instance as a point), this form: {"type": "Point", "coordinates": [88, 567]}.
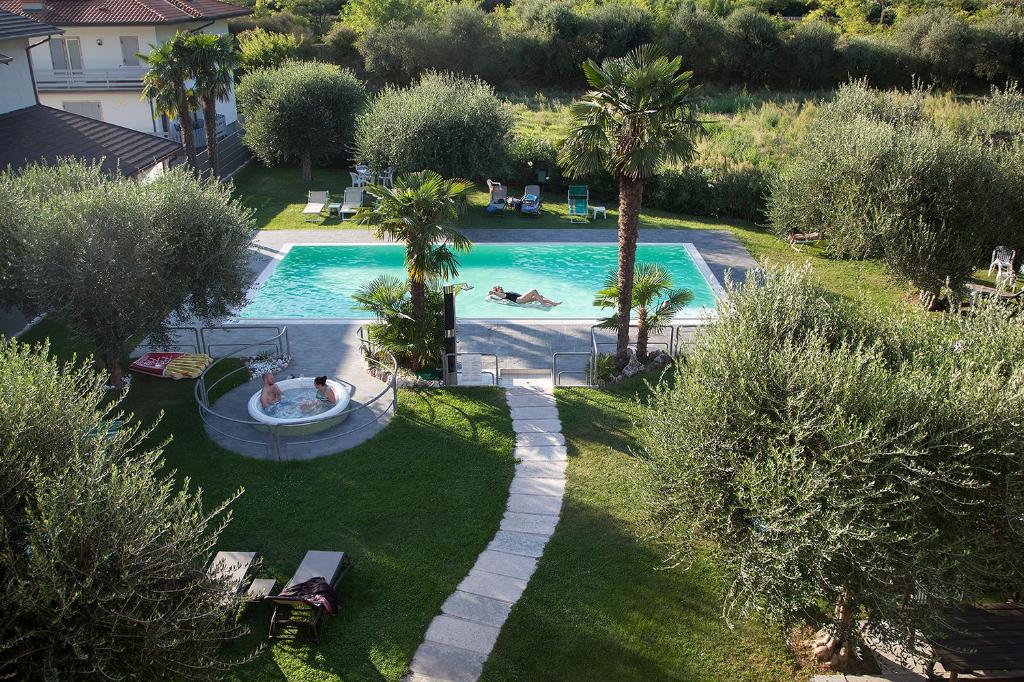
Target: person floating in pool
{"type": "Point", "coordinates": [531, 296]}
{"type": "Point", "coordinates": [271, 393]}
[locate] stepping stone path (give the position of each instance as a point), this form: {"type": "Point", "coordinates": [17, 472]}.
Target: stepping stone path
{"type": "Point", "coordinates": [459, 640]}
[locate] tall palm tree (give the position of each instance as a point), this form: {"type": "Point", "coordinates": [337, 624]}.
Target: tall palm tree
{"type": "Point", "coordinates": [212, 62]}
{"type": "Point", "coordinates": [655, 300]}
{"type": "Point", "coordinates": [166, 84]}
{"type": "Point", "coordinates": [414, 212]}
{"type": "Point", "coordinates": [637, 116]}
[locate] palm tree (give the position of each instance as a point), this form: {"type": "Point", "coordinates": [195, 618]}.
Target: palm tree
{"type": "Point", "coordinates": [413, 212]}
{"type": "Point", "coordinates": [655, 300]}
{"type": "Point", "coordinates": [212, 61]}
{"type": "Point", "coordinates": [637, 116]}
{"type": "Point", "coordinates": [166, 84]}
{"type": "Point", "coordinates": [387, 298]}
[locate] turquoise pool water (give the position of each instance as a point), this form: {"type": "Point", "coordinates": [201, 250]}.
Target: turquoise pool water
{"type": "Point", "coordinates": [318, 281]}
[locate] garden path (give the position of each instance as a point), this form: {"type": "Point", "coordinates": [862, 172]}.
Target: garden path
{"type": "Point", "coordinates": [460, 639]}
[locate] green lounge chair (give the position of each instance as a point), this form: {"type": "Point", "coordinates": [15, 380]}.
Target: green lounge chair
{"type": "Point", "coordinates": [579, 200]}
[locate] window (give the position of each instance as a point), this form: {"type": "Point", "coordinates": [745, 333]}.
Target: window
{"type": "Point", "coordinates": [66, 54]}
{"type": "Point", "coordinates": [90, 109]}
{"type": "Point", "coordinates": [129, 50]}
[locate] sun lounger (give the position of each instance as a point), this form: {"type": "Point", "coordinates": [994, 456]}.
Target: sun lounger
{"type": "Point", "coordinates": [353, 200]}
{"type": "Point", "coordinates": [798, 238]}
{"type": "Point", "coordinates": [290, 612]}
{"type": "Point", "coordinates": [579, 198]}
{"type": "Point", "coordinates": [497, 204]}
{"type": "Point", "coordinates": [531, 201]}
{"type": "Point", "coordinates": [231, 567]}
{"type": "Point", "coordinates": [315, 205]}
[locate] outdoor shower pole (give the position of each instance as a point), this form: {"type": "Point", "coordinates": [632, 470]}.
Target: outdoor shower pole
{"type": "Point", "coordinates": [451, 366]}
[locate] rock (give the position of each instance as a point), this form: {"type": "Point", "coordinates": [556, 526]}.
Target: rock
{"type": "Point", "coordinates": [633, 366]}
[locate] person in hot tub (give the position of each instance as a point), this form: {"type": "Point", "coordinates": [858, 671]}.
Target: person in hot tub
{"type": "Point", "coordinates": [271, 394]}
{"type": "Point", "coordinates": [324, 397]}
{"type": "Point", "coordinates": [530, 296]}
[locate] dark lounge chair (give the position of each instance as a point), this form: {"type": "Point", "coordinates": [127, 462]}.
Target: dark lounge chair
{"type": "Point", "coordinates": [293, 612]}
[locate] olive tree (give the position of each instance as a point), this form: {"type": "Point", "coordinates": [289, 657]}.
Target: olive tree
{"type": "Point", "coordinates": [103, 558]}
{"type": "Point", "coordinates": [301, 112]}
{"type": "Point", "coordinates": [115, 259]}
{"type": "Point", "coordinates": [883, 182]}
{"type": "Point", "coordinates": [837, 458]}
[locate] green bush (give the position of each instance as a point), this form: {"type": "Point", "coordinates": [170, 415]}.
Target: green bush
{"type": "Point", "coordinates": [528, 155]}
{"type": "Point", "coordinates": [700, 39]}
{"type": "Point", "coordinates": [792, 445]}
{"type": "Point", "coordinates": [341, 41]}
{"type": "Point", "coordinates": [754, 46]}
{"type": "Point", "coordinates": [613, 29]}
{"type": "Point", "coordinates": [1001, 52]}
{"type": "Point", "coordinates": [927, 201]}
{"type": "Point", "coordinates": [262, 49]}
{"type": "Point", "coordinates": [452, 125]}
{"type": "Point", "coordinates": [721, 191]}
{"type": "Point", "coordinates": [945, 45]}
{"type": "Point", "coordinates": [811, 58]}
{"type": "Point", "coordinates": [302, 112]}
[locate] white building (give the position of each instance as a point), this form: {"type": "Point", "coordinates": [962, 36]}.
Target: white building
{"type": "Point", "coordinates": [93, 68]}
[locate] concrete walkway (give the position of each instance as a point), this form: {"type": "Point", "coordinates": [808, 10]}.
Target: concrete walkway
{"type": "Point", "coordinates": [460, 639]}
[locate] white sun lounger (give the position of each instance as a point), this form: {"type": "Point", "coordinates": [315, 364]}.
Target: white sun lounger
{"type": "Point", "coordinates": [231, 567]}
{"type": "Point", "coordinates": [315, 205]}
{"type": "Point", "coordinates": [353, 200]}
{"type": "Point", "coordinates": [291, 613]}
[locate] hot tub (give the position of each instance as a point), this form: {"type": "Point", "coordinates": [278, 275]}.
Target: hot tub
{"type": "Point", "coordinates": [296, 414]}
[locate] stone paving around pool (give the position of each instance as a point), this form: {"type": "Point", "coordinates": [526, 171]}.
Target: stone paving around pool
{"type": "Point", "coordinates": [461, 637]}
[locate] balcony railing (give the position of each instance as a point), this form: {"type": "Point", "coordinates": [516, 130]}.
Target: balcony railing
{"type": "Point", "coordinates": [121, 78]}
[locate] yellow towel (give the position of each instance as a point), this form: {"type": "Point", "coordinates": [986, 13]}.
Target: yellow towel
{"type": "Point", "coordinates": [188, 366]}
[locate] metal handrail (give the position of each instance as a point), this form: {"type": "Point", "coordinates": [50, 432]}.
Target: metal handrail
{"type": "Point", "coordinates": [281, 339]}
{"type": "Point", "coordinates": [275, 432]}
{"type": "Point", "coordinates": [197, 347]}
{"type": "Point", "coordinates": [445, 374]}
{"type": "Point", "coordinates": [556, 376]}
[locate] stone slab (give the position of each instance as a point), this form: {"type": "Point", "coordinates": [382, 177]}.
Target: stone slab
{"type": "Point", "coordinates": [547, 453]}
{"type": "Point", "coordinates": [539, 439]}
{"type": "Point", "coordinates": [516, 402]}
{"type": "Point", "coordinates": [464, 634]}
{"type": "Point", "coordinates": [522, 485]}
{"type": "Point", "coordinates": [528, 390]}
{"type": "Point", "coordinates": [526, 544]}
{"type": "Point", "coordinates": [445, 662]}
{"type": "Point", "coordinates": [541, 524]}
{"type": "Point", "coordinates": [536, 426]}
{"type": "Point", "coordinates": [534, 412]}
{"type": "Point", "coordinates": [534, 504]}
{"type": "Point", "coordinates": [541, 469]}
{"type": "Point", "coordinates": [478, 609]}
{"type": "Point", "coordinates": [503, 563]}
{"type": "Point", "coordinates": [502, 587]}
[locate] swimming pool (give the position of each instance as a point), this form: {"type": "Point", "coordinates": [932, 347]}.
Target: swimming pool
{"type": "Point", "coordinates": [317, 281]}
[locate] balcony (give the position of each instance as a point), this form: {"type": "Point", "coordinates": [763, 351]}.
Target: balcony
{"type": "Point", "coordinates": [122, 78]}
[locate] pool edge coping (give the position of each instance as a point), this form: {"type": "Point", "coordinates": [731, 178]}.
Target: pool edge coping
{"type": "Point", "coordinates": [703, 316]}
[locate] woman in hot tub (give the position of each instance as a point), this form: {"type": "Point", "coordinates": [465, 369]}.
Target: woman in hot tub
{"type": "Point", "coordinates": [530, 296]}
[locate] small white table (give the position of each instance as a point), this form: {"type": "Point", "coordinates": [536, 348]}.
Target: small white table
{"type": "Point", "coordinates": [602, 210]}
{"type": "Point", "coordinates": [333, 209]}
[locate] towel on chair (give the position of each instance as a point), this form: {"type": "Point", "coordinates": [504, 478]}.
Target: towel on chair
{"type": "Point", "coordinates": [316, 592]}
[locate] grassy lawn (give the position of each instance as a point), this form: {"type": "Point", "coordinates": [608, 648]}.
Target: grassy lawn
{"type": "Point", "coordinates": [413, 506]}
{"type": "Point", "coordinates": [599, 607]}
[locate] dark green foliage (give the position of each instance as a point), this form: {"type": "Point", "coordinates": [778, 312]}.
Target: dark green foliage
{"type": "Point", "coordinates": [726, 191]}
{"type": "Point", "coordinates": [301, 112]}
{"type": "Point", "coordinates": [835, 457]}
{"type": "Point", "coordinates": [699, 38]}
{"type": "Point", "coordinates": [396, 330]}
{"type": "Point", "coordinates": [455, 126]}
{"type": "Point", "coordinates": [754, 44]}
{"type": "Point", "coordinates": [103, 558]}
{"type": "Point", "coordinates": [528, 155]}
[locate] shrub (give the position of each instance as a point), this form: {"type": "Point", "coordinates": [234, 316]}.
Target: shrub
{"type": "Point", "coordinates": [463, 39]}
{"type": "Point", "coordinates": [927, 201]}
{"type": "Point", "coordinates": [395, 330]}
{"type": "Point", "coordinates": [341, 41]}
{"type": "Point", "coordinates": [614, 29]}
{"type": "Point", "coordinates": [363, 15]}
{"type": "Point", "coordinates": [262, 49]}
{"type": "Point", "coordinates": [810, 58]}
{"type": "Point", "coordinates": [545, 42]}
{"type": "Point", "coordinates": [790, 445]}
{"type": "Point", "coordinates": [945, 45]}
{"type": "Point", "coordinates": [880, 60]}
{"type": "Point", "coordinates": [455, 126]}
{"type": "Point", "coordinates": [754, 46]}
{"type": "Point", "coordinates": [301, 112]}
{"type": "Point", "coordinates": [528, 155]}
{"type": "Point", "coordinates": [103, 552]}
{"type": "Point", "coordinates": [1001, 52]}
{"type": "Point", "coordinates": [700, 39]}
{"type": "Point", "coordinates": [720, 191]}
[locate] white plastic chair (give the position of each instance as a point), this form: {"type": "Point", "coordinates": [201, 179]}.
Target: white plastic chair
{"type": "Point", "coordinates": [1002, 263]}
{"type": "Point", "coordinates": [353, 200]}
{"type": "Point", "coordinates": [387, 178]}
{"type": "Point", "coordinates": [358, 179]}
